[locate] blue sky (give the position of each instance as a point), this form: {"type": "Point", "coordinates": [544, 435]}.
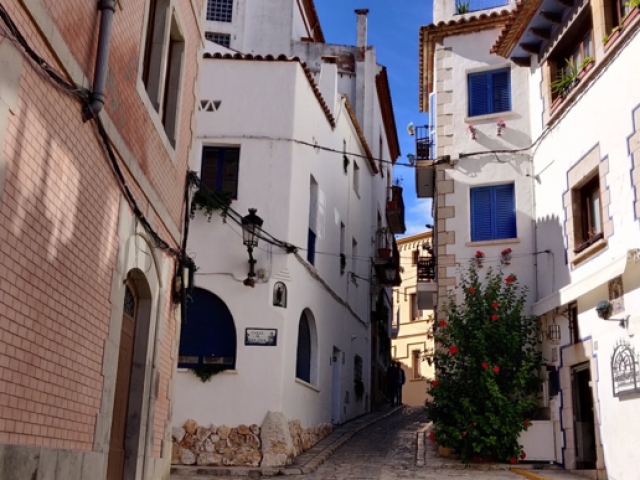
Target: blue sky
{"type": "Point", "coordinates": [393, 28]}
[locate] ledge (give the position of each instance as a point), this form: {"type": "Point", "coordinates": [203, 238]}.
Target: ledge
{"type": "Point", "coordinates": [589, 252]}
{"type": "Point", "coordinates": [308, 385]}
{"type": "Point", "coordinates": [483, 243]}
{"type": "Point", "coordinates": [490, 116]}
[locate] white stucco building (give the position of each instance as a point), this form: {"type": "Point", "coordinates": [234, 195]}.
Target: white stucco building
{"type": "Point", "coordinates": [576, 204]}
{"type": "Point", "coordinates": [289, 136]}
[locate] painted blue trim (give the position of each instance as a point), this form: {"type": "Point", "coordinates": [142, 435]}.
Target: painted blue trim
{"type": "Point", "coordinates": [220, 167]}
{"type": "Point", "coordinates": [633, 162]}
{"type": "Point", "coordinates": [490, 92]}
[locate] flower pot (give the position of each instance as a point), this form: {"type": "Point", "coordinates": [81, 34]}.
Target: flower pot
{"type": "Point", "coordinates": [612, 39]}
{"type": "Point", "coordinates": [556, 103]}
{"type": "Point", "coordinates": [479, 262]}
{"type": "Point", "coordinates": [632, 14]}
{"type": "Point", "coordinates": [586, 69]}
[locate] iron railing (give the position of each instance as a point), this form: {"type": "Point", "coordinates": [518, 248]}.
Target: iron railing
{"type": "Point", "coordinates": [424, 147]}
{"type": "Point", "coordinates": [427, 269]}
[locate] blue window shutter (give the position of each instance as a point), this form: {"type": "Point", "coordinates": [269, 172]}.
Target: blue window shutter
{"type": "Point", "coordinates": [501, 91]}
{"type": "Point", "coordinates": [479, 103]}
{"type": "Point", "coordinates": [209, 329]}
{"type": "Point", "coordinates": [481, 214]}
{"type": "Point", "coordinates": [303, 356]}
{"type": "Point", "coordinates": [311, 247]}
{"type": "Point", "coordinates": [505, 211]}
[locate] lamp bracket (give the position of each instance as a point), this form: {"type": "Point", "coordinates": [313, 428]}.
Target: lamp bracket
{"type": "Point", "coordinates": [624, 322]}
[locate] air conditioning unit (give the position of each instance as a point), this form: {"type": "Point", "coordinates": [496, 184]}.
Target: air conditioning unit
{"type": "Point", "coordinates": [543, 395]}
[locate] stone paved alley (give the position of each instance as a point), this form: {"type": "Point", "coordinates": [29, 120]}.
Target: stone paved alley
{"type": "Point", "coordinates": [386, 451]}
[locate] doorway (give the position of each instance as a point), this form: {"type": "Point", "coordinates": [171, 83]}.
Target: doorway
{"type": "Point", "coordinates": [336, 369]}
{"type": "Point", "coordinates": [583, 418]}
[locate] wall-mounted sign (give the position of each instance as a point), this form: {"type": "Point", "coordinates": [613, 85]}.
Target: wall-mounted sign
{"type": "Point", "coordinates": [261, 337]}
{"type": "Point", "coordinates": [624, 370]}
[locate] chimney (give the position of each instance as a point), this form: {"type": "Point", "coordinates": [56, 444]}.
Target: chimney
{"type": "Point", "coordinates": [362, 27]}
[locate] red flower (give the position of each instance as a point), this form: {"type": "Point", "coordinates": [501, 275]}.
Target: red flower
{"type": "Point", "coordinates": [434, 383]}
{"type": "Point", "coordinates": [464, 433]}
{"type": "Point", "coordinates": [496, 369]}
{"type": "Point", "coordinates": [432, 438]}
{"type": "Point", "coordinates": [506, 251]}
{"type": "Point", "coordinates": [495, 305]}
{"type": "Point", "coordinates": [474, 424]}
{"type": "Point", "coordinates": [510, 279]}
{"type": "Point", "coordinates": [443, 323]}
{"type": "Point", "coordinates": [523, 455]}
{"type": "Point", "coordinates": [485, 365]}
{"type": "Point", "coordinates": [526, 423]}
{"type": "Point", "coordinates": [494, 317]}
{"type": "Point", "coordinates": [472, 290]}
{"type": "Point", "coordinates": [513, 460]}
{"type": "Point", "coordinates": [479, 254]}
{"type": "Point", "coordinates": [453, 350]}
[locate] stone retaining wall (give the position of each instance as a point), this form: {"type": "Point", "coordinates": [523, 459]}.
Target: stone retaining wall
{"type": "Point", "coordinates": [195, 444]}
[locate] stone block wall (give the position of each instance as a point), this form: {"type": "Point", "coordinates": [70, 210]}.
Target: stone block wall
{"type": "Point", "coordinates": [195, 444]}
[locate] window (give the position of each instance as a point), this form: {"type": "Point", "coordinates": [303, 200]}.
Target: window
{"type": "Point", "coordinates": [590, 219]}
{"type": "Point", "coordinates": [489, 92]}
{"type": "Point", "coordinates": [306, 350]}
{"type": "Point", "coordinates": [415, 313]}
{"type": "Point", "coordinates": [163, 86]}
{"type": "Point", "coordinates": [354, 254]}
{"type": "Point", "coordinates": [415, 255]}
{"type": "Point", "coordinates": [620, 9]}
{"type": "Point", "coordinates": [209, 335]}
{"type": "Point", "coordinates": [573, 322]}
{"type": "Point", "coordinates": [173, 77]}
{"type": "Point", "coordinates": [220, 10]}
{"type": "Point", "coordinates": [313, 221]}
{"type": "Point", "coordinates": [220, 168]}
{"type": "Point", "coordinates": [356, 178]}
{"type": "Point", "coordinates": [219, 38]}
{"type": "Point", "coordinates": [493, 213]}
{"type": "Point", "coordinates": [570, 60]}
{"type": "Point", "coordinates": [416, 364]}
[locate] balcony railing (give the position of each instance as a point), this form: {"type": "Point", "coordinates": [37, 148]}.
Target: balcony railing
{"type": "Point", "coordinates": [424, 147]}
{"type": "Point", "coordinates": [467, 6]}
{"type": "Point", "coordinates": [426, 269]}
{"type": "Point", "coordinates": [395, 211]}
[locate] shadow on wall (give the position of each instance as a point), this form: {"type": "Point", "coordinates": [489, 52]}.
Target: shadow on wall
{"type": "Point", "coordinates": [515, 163]}
{"type": "Point", "coordinates": [553, 271]}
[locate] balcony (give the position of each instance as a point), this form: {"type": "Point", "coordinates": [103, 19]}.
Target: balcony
{"type": "Point", "coordinates": [427, 283]}
{"type": "Point", "coordinates": [395, 211]}
{"type": "Point", "coordinates": [425, 154]}
{"type": "Point", "coordinates": [468, 6]}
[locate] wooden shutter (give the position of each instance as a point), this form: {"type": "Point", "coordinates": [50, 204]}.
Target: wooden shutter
{"type": "Point", "coordinates": [303, 359]}
{"type": "Point", "coordinates": [481, 214]}
{"type": "Point", "coordinates": [479, 103]}
{"type": "Point", "coordinates": [311, 247]}
{"type": "Point", "coordinates": [505, 211]}
{"type": "Point", "coordinates": [501, 91]}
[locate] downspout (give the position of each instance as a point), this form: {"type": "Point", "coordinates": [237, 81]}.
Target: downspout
{"type": "Point", "coordinates": [97, 97]}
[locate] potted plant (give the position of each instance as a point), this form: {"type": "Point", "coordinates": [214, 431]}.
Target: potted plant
{"type": "Point", "coordinates": [479, 258]}
{"type": "Point", "coordinates": [604, 309]}
{"type": "Point", "coordinates": [610, 39]}
{"type": "Point", "coordinates": [506, 256]}
{"type": "Point", "coordinates": [462, 8]}
{"type": "Point", "coordinates": [586, 66]}
{"type": "Point", "coordinates": [634, 11]}
{"type": "Point", "coordinates": [564, 83]}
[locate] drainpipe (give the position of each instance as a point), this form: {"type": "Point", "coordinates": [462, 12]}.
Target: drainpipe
{"type": "Point", "coordinates": [97, 98]}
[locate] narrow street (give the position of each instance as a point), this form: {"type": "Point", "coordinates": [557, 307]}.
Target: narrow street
{"type": "Point", "coordinates": [384, 451]}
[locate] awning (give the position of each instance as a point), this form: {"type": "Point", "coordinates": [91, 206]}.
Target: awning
{"type": "Point", "coordinates": [576, 290]}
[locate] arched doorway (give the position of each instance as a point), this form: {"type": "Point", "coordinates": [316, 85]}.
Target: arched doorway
{"type": "Point", "coordinates": [307, 348]}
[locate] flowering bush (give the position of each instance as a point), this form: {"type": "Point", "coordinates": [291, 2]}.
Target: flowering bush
{"type": "Point", "coordinates": [487, 364]}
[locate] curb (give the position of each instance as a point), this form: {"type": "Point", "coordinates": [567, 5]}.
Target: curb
{"type": "Point", "coordinates": [529, 474]}
{"type": "Point", "coordinates": [311, 465]}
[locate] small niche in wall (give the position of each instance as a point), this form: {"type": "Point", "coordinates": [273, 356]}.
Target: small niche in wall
{"type": "Point", "coordinates": [280, 295]}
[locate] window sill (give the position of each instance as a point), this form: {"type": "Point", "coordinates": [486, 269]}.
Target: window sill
{"type": "Point", "coordinates": [224, 372]}
{"type": "Point", "coordinates": [483, 243]}
{"type": "Point", "coordinates": [416, 380]}
{"type": "Point", "coordinates": [589, 252]}
{"type": "Point", "coordinates": [308, 385]}
{"type": "Point", "coordinates": [489, 116]}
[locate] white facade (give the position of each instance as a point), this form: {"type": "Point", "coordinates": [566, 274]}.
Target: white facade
{"type": "Point", "coordinates": [591, 135]}
{"type": "Point", "coordinates": [294, 128]}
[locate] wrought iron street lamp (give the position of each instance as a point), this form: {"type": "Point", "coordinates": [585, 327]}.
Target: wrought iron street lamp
{"type": "Point", "coordinates": [390, 271]}
{"type": "Point", "coordinates": [251, 225]}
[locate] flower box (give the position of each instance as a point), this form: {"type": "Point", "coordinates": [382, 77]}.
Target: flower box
{"type": "Point", "coordinates": [632, 14]}
{"type": "Point", "coordinates": [612, 38]}
{"type": "Point", "coordinates": [586, 69]}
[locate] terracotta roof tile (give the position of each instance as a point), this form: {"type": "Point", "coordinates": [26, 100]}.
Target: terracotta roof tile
{"type": "Point", "coordinates": [280, 58]}
{"type": "Point", "coordinates": [386, 108]}
{"type": "Point", "coordinates": [363, 140]}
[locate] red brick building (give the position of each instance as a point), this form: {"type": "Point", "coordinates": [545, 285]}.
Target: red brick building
{"type": "Point", "coordinates": [87, 320]}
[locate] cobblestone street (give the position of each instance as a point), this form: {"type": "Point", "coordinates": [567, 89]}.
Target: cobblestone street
{"type": "Point", "coordinates": [384, 451]}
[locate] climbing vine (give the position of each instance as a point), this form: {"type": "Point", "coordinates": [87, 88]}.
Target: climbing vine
{"type": "Point", "coordinates": [208, 202]}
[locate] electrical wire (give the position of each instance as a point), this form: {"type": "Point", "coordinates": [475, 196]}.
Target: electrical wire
{"type": "Point", "coordinates": [544, 133]}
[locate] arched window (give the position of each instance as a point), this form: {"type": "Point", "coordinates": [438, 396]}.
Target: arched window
{"type": "Point", "coordinates": [209, 334]}
{"type": "Point", "coordinates": [280, 295]}
{"type": "Point", "coordinates": [306, 368]}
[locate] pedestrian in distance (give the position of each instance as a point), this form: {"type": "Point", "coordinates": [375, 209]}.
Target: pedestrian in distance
{"type": "Point", "coordinates": [401, 380]}
{"type": "Point", "coordinates": [392, 383]}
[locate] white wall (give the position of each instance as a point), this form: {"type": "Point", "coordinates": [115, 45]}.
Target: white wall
{"type": "Point", "coordinates": [470, 55]}
{"type": "Point", "coordinates": [275, 99]}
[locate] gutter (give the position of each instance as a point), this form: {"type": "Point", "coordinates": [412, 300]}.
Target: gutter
{"type": "Point", "coordinates": [98, 97]}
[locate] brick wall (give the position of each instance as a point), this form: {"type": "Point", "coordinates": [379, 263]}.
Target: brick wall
{"type": "Point", "coordinates": [59, 221]}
